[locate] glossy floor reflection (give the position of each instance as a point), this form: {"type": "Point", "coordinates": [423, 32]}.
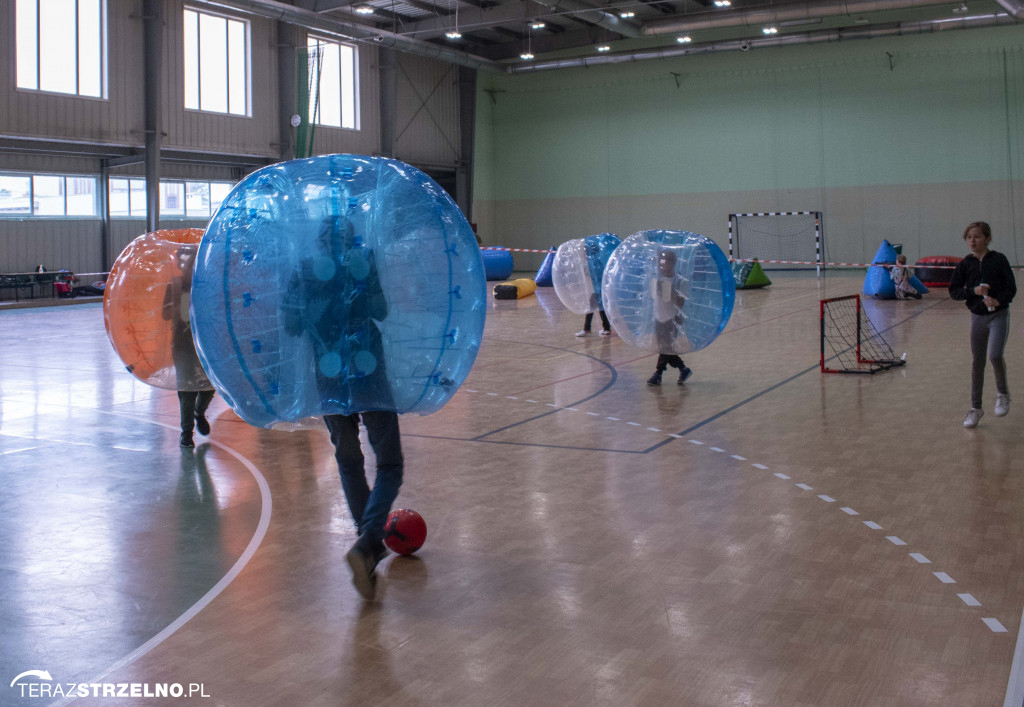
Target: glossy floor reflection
{"type": "Point", "coordinates": [763, 535]}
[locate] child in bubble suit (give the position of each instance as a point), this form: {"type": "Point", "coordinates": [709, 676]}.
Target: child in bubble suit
{"type": "Point", "coordinates": [668, 308]}
{"type": "Point", "coordinates": [606, 327]}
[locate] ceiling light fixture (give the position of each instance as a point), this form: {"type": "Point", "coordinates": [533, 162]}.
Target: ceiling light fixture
{"type": "Point", "coordinates": [770, 30]}
{"type": "Point", "coordinates": [603, 48]}
{"type": "Point", "coordinates": [626, 14]}
{"type": "Point", "coordinates": [685, 39]}
{"type": "Point", "coordinates": [526, 56]}
{"type": "Point", "coordinates": [723, 3]}
{"type": "Point", "coordinates": [537, 24]}
{"type": "Point", "coordinates": [363, 10]}
{"type": "Point", "coordinates": [454, 32]}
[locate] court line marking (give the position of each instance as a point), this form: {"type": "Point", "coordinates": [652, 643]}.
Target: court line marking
{"type": "Point", "coordinates": [266, 507]}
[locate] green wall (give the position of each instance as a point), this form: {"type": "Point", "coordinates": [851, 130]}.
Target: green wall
{"type": "Point", "coordinates": [906, 138]}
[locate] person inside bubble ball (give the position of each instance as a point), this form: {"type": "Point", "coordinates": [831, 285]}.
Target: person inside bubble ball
{"type": "Point", "coordinates": [192, 404]}
{"type": "Point", "coordinates": [337, 301]}
{"type": "Point", "coordinates": [668, 316]}
{"type": "Point", "coordinates": [606, 327]}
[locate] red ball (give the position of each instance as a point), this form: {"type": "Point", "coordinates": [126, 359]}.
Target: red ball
{"type": "Point", "coordinates": [404, 531]}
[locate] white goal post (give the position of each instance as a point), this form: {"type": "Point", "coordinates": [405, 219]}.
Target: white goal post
{"type": "Point", "coordinates": [783, 240]}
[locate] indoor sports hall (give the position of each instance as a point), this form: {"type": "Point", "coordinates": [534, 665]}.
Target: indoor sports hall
{"type": "Point", "coordinates": [783, 526]}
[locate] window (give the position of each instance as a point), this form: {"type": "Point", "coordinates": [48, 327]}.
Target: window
{"type": "Point", "coordinates": [216, 63]}
{"type": "Point", "coordinates": [47, 195]}
{"type": "Point", "coordinates": [334, 102]}
{"type": "Point", "coordinates": [61, 46]}
{"type": "Point", "coordinates": [178, 198]}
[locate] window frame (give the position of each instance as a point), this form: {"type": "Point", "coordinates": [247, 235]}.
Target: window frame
{"type": "Point", "coordinates": [187, 68]}
{"type": "Point", "coordinates": [178, 215]}
{"type": "Point", "coordinates": [102, 49]}
{"type": "Point", "coordinates": [64, 177]}
{"type": "Point", "coordinates": [312, 40]}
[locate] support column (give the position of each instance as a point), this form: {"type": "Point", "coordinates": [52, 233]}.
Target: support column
{"type": "Point", "coordinates": [287, 95]}
{"type": "Point", "coordinates": [152, 43]}
{"type": "Point", "coordinates": [467, 132]}
{"type": "Point", "coordinates": [387, 70]}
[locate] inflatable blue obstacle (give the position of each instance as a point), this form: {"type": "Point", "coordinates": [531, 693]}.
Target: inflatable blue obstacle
{"type": "Point", "coordinates": [497, 263]}
{"type": "Point", "coordinates": [543, 277]}
{"type": "Point", "coordinates": [878, 283]}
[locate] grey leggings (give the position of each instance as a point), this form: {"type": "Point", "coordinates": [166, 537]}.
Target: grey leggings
{"type": "Point", "coordinates": [988, 335]}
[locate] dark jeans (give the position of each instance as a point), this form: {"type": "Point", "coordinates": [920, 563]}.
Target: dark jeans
{"type": "Point", "coordinates": [588, 320]}
{"type": "Point", "coordinates": [192, 403]}
{"type": "Point", "coordinates": [666, 360]}
{"type": "Point", "coordinates": [369, 508]}
{"type": "Point", "coordinates": [988, 336]}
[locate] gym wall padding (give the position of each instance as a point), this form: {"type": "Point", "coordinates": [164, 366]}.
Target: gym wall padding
{"type": "Point", "coordinates": [497, 264]}
{"type": "Point", "coordinates": [936, 276]}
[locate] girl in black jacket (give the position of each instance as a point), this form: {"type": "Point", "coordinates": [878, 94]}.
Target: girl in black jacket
{"type": "Point", "coordinates": [984, 279]}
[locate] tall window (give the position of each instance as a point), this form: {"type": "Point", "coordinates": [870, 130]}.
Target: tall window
{"type": "Point", "coordinates": [47, 195]}
{"type": "Point", "coordinates": [61, 46]}
{"type": "Point", "coordinates": [336, 104]}
{"type": "Point", "coordinates": [216, 63]}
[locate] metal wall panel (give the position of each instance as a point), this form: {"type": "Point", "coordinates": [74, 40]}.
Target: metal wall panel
{"type": "Point", "coordinates": [427, 113]}
{"type": "Point", "coordinates": [115, 120]}
{"type": "Point", "coordinates": [256, 134]}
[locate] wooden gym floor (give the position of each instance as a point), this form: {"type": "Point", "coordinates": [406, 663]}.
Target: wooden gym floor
{"type": "Point", "coordinates": [763, 535]}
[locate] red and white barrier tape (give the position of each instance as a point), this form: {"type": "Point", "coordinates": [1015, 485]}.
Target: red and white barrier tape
{"type": "Point", "coordinates": [516, 250]}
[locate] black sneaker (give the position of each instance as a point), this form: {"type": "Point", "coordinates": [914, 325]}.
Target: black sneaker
{"type": "Point", "coordinates": [185, 440]}
{"type": "Point", "coordinates": [362, 565]}
{"type": "Point", "coordinates": [202, 424]}
{"type": "Point", "coordinates": [655, 379]}
{"type": "Point", "coordinates": [684, 374]}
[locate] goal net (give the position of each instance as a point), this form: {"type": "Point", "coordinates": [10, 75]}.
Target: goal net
{"type": "Point", "coordinates": [789, 240]}
{"type": "Point", "coordinates": [850, 343]}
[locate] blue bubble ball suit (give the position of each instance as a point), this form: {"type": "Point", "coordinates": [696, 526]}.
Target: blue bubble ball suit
{"type": "Point", "coordinates": [668, 291]}
{"type": "Point", "coordinates": [337, 284]}
{"type": "Point", "coordinates": [578, 268]}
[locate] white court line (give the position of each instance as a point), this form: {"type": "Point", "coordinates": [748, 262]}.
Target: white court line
{"type": "Point", "coordinates": [29, 449]}
{"type": "Point", "coordinates": [635, 424]}
{"type": "Point", "coordinates": [531, 401]}
{"type": "Point", "coordinates": [695, 441]}
{"type": "Point", "coordinates": [573, 409]}
{"type": "Point", "coordinates": [716, 449]}
{"type": "Point", "coordinates": [762, 467]}
{"type": "Point", "coordinates": [494, 394]}
{"type": "Point", "coordinates": [849, 511]}
{"type": "Point", "coordinates": [969, 600]}
{"type": "Point", "coordinates": [781, 475]}
{"type": "Point", "coordinates": [1015, 685]}
{"type": "Point", "coordinates": [944, 578]}
{"type": "Point", "coordinates": [243, 559]}
{"type": "Point", "coordinates": [511, 397]}
{"type": "Point", "coordinates": [920, 558]}
{"type": "Point", "coordinates": [654, 429]}
{"type": "Point", "coordinates": [613, 419]}
{"type": "Point", "coordinates": [805, 487]}
{"type": "Point", "coordinates": [995, 625]}
{"type": "Point", "coordinates": [894, 540]}
{"type": "Point", "coordinates": [826, 499]}
{"type": "Point", "coordinates": [872, 524]}
{"type": "Point", "coordinates": [551, 405]}
{"type": "Point", "coordinates": [675, 435]}
{"type": "Point", "coordinates": [738, 458]}
{"type": "Point", "coordinates": [470, 390]}
{"type": "Point", "coordinates": [595, 414]}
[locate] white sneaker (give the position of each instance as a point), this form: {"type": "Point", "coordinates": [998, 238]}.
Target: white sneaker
{"type": "Point", "coordinates": [583, 333]}
{"type": "Point", "coordinates": [973, 417]}
{"type": "Point", "coordinates": [605, 332]}
{"type": "Point", "coordinates": [1002, 405]}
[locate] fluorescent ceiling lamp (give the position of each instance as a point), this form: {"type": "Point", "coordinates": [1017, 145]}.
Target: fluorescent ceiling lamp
{"type": "Point", "coordinates": [723, 3]}
{"type": "Point", "coordinates": [537, 25]}
{"type": "Point", "coordinates": [526, 56]}
{"type": "Point", "coordinates": [603, 48]}
{"type": "Point", "coordinates": [770, 30]}
{"type": "Point", "coordinates": [363, 10]}
{"type": "Point", "coordinates": [453, 34]}
{"type": "Point", "coordinates": [685, 39]}
{"type": "Point", "coordinates": [626, 14]}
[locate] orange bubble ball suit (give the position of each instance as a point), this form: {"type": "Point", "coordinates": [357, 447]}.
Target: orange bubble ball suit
{"type": "Point", "coordinates": [146, 309]}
